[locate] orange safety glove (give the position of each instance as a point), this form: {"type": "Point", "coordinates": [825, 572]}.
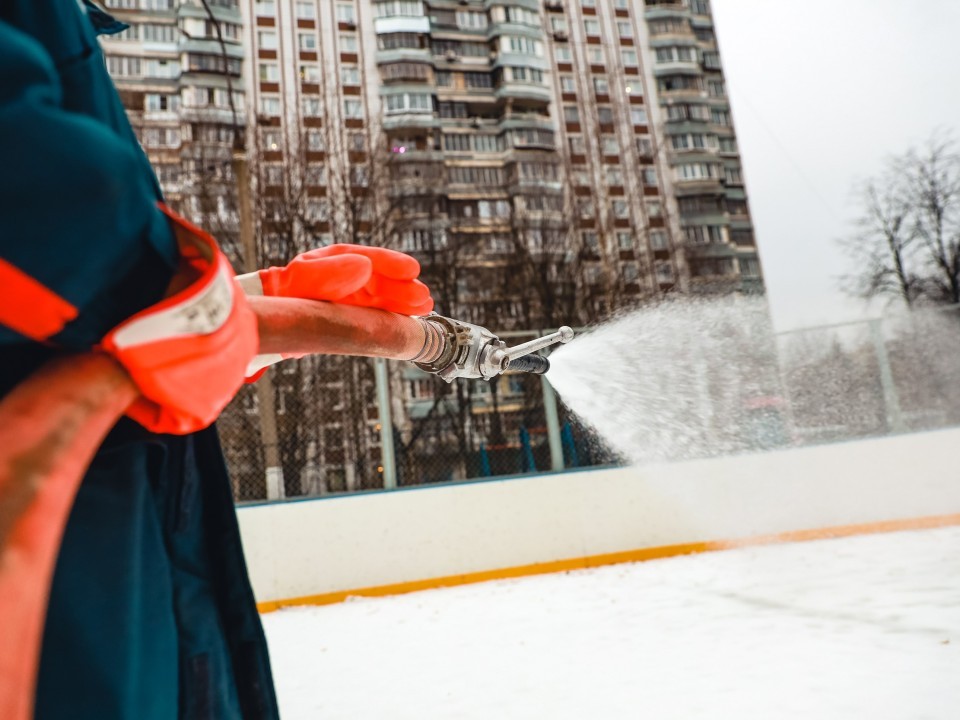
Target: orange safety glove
{"type": "Point", "coordinates": [343, 273]}
{"type": "Point", "coordinates": [349, 274]}
{"type": "Point", "coordinates": [188, 354]}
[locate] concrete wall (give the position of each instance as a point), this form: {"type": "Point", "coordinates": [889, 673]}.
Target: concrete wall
{"type": "Point", "coordinates": [317, 547]}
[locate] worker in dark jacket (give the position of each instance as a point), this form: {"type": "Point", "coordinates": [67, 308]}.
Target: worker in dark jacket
{"type": "Point", "coordinates": [151, 614]}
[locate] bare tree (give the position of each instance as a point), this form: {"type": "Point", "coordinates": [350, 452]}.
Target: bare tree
{"type": "Point", "coordinates": [907, 243]}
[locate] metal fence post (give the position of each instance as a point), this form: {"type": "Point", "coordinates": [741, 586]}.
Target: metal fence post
{"type": "Point", "coordinates": [891, 401]}
{"type": "Point", "coordinates": [387, 456]}
{"type": "Point", "coordinates": [553, 424]}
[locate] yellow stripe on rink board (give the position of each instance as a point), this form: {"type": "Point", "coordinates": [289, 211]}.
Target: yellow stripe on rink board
{"type": "Point", "coordinates": [592, 561]}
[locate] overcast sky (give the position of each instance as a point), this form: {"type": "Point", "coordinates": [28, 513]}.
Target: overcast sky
{"type": "Point", "coordinates": [822, 91]}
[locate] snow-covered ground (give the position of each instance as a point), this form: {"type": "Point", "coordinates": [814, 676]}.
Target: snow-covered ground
{"type": "Point", "coordinates": [858, 628]}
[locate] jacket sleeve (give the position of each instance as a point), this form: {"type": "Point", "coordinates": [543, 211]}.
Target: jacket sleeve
{"type": "Point", "coordinates": [82, 242]}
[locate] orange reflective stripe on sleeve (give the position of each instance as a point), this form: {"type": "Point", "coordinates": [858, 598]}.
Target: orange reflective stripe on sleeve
{"type": "Point", "coordinates": [30, 308]}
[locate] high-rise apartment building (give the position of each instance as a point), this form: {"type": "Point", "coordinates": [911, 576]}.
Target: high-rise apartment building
{"type": "Point", "coordinates": [549, 161]}
{"type": "Point", "coordinates": [511, 121]}
{"type": "Point", "coordinates": [180, 78]}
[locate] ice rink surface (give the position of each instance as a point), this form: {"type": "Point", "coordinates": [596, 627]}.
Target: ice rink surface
{"type": "Point", "coordinates": [853, 629]}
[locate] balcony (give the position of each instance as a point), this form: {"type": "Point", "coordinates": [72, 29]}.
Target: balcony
{"type": "Point", "coordinates": [523, 91]}
{"type": "Point", "coordinates": [402, 24]}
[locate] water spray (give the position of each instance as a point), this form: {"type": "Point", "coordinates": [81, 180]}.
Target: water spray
{"type": "Point", "coordinates": [459, 349]}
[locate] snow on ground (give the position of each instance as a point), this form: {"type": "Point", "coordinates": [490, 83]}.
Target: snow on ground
{"type": "Point", "coordinates": [856, 628]}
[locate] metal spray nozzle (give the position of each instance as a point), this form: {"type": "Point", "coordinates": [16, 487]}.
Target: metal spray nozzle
{"type": "Point", "coordinates": [472, 351]}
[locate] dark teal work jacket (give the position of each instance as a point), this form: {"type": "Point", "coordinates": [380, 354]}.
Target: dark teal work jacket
{"type": "Point", "coordinates": [151, 614]}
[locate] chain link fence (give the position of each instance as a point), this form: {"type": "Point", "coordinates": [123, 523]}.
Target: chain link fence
{"type": "Point", "coordinates": [330, 430]}
{"type": "Point", "coordinates": [330, 434]}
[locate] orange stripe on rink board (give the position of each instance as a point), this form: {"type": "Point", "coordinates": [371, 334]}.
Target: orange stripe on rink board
{"type": "Point", "coordinates": [29, 307]}
{"type": "Point", "coordinates": [641, 555]}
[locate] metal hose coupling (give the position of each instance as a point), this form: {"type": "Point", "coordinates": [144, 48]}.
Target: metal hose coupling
{"type": "Point", "coordinates": [473, 352]}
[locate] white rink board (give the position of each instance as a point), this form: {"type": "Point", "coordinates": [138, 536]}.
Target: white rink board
{"type": "Point", "coordinates": [313, 547]}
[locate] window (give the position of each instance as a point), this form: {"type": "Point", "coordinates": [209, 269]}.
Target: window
{"type": "Point", "coordinates": [624, 241]}
{"type": "Point", "coordinates": [601, 86]}
{"type": "Point", "coordinates": [161, 137]}
{"type": "Point", "coordinates": [475, 175]}
{"type": "Point", "coordinates": [591, 27]}
{"type": "Point", "coordinates": [605, 115]}
{"type": "Point", "coordinates": [488, 143]}
{"type": "Point", "coordinates": [456, 143]}
{"type": "Point", "coordinates": [522, 16]}
{"type": "Point", "coordinates": [477, 80]}
{"type": "Point", "coordinates": [307, 42]}
{"type": "Point", "coordinates": [123, 66]}
{"type": "Point", "coordinates": [562, 54]}
{"type": "Point", "coordinates": [610, 145]}
{"type": "Point", "coordinates": [393, 8]}
{"type": "Point", "coordinates": [676, 53]}
{"type": "Point", "coordinates": [733, 175]}
{"type": "Point", "coordinates": [716, 88]}
{"type": "Point", "coordinates": [350, 75]}
{"type": "Point", "coordinates": [571, 114]}
{"type": "Point", "coordinates": [392, 41]}
{"type": "Point", "coordinates": [310, 73]}
{"type": "Point", "coordinates": [728, 145]}
{"type": "Point", "coordinates": [467, 20]}
{"type": "Point", "coordinates": [629, 58]}
{"type": "Point", "coordinates": [316, 174]}
{"type": "Point", "coordinates": [409, 102]}
{"type": "Point", "coordinates": [625, 28]}
{"type": "Point", "coordinates": [668, 26]}
{"type": "Point", "coordinates": [348, 43]}
{"type": "Point", "coordinates": [520, 45]}
{"type": "Point", "coordinates": [265, 8]}
{"type": "Point", "coordinates": [620, 208]}
{"type": "Point", "coordinates": [530, 75]}
{"type": "Point", "coordinates": [269, 72]}
{"type": "Point", "coordinates": [406, 71]}
{"type": "Point", "coordinates": [346, 13]}
{"type": "Point", "coordinates": [273, 174]}
{"type": "Point", "coordinates": [352, 108]}
{"type": "Point", "coordinates": [663, 270]}
{"type": "Point", "coordinates": [576, 144]}
{"type": "Point", "coordinates": [155, 102]}
{"type": "Point", "coordinates": [703, 234]}
{"type": "Point", "coordinates": [720, 117]}
{"type": "Point", "coordinates": [317, 209]}
{"type": "Point", "coordinates": [267, 40]}
{"type": "Point", "coordinates": [359, 176]}
{"type": "Point", "coordinates": [270, 139]}
{"type": "Point", "coordinates": [595, 55]}
{"type": "Point", "coordinates": [644, 147]}
{"type": "Point", "coordinates": [696, 171]}
{"type": "Point", "coordinates": [455, 110]}
{"type": "Point", "coordinates": [630, 273]}
{"type": "Point", "coordinates": [558, 23]}
{"type": "Point", "coordinates": [316, 141]}
{"type": "Point", "coordinates": [159, 33]}
{"type": "Point", "coordinates": [649, 176]}
{"type": "Point", "coordinates": [590, 241]}
{"type": "Point", "coordinates": [700, 7]}
{"type": "Point", "coordinates": [311, 106]}
{"type": "Point", "coordinates": [654, 209]}
{"type": "Point", "coordinates": [750, 267]}
{"type": "Point", "coordinates": [567, 84]}
{"type": "Point", "coordinates": [306, 9]}
{"type": "Point", "coordinates": [658, 240]}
